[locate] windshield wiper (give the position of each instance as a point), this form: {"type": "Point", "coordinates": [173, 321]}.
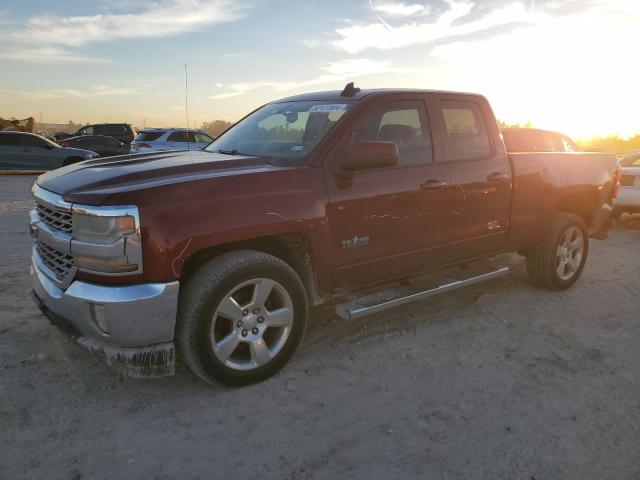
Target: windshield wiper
{"type": "Point", "coordinates": [229, 152]}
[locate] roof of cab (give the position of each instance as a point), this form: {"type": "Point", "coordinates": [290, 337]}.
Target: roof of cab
{"type": "Point", "coordinates": [336, 95]}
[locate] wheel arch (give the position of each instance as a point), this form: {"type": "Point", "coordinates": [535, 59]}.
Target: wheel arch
{"type": "Point", "coordinates": [583, 203]}
{"type": "Point", "coordinates": [292, 248]}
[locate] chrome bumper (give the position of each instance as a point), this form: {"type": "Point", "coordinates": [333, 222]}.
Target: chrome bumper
{"type": "Point", "coordinates": [131, 325]}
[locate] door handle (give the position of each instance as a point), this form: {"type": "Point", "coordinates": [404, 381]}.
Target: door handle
{"type": "Point", "coordinates": [498, 177]}
{"type": "Point", "coordinates": [433, 184]}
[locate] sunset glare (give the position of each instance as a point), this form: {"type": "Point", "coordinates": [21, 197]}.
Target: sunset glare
{"type": "Point", "coordinates": [563, 65]}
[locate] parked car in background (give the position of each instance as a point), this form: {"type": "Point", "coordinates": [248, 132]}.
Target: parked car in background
{"type": "Point", "coordinates": [104, 146]}
{"type": "Point", "coordinates": [165, 139]}
{"type": "Point", "coordinates": [26, 151]}
{"type": "Point", "coordinates": [535, 140]}
{"type": "Point", "coordinates": [123, 132]}
{"type": "Point", "coordinates": [629, 198]}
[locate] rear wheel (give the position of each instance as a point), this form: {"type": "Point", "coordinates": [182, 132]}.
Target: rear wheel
{"type": "Point", "coordinates": [558, 260]}
{"type": "Point", "coordinates": [241, 317]}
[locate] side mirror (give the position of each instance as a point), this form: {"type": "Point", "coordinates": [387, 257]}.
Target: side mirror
{"type": "Point", "coordinates": [364, 155]}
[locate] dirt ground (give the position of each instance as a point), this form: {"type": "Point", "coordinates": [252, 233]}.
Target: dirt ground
{"type": "Point", "coordinates": [500, 380]}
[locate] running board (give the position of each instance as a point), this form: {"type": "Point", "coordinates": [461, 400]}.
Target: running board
{"type": "Point", "coordinates": [365, 306]}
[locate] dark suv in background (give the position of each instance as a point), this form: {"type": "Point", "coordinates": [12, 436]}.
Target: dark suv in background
{"type": "Point", "coordinates": [123, 132]}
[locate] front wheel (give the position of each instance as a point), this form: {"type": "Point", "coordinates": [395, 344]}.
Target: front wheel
{"type": "Point", "coordinates": [558, 260]}
{"type": "Point", "coordinates": [241, 317]}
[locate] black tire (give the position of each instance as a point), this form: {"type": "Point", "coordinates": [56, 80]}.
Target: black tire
{"type": "Point", "coordinates": [71, 161]}
{"type": "Point", "coordinates": [542, 258]}
{"type": "Point", "coordinates": [201, 297]}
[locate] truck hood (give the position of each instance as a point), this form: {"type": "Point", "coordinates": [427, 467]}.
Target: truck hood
{"type": "Point", "coordinates": [92, 182]}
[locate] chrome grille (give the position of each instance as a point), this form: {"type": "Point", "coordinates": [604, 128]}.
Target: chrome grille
{"type": "Point", "coordinates": [56, 218]}
{"type": "Point", "coordinates": [58, 262]}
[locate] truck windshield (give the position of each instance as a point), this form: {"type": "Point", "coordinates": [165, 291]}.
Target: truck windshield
{"type": "Point", "coordinates": [287, 130]}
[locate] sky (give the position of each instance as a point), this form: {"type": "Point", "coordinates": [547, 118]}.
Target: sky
{"type": "Point", "coordinates": [566, 65]}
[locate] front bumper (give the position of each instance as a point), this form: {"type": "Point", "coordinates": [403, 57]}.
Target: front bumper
{"type": "Point", "coordinates": [132, 326]}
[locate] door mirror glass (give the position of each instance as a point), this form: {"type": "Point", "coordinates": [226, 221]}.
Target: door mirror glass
{"type": "Point", "coordinates": [372, 154]}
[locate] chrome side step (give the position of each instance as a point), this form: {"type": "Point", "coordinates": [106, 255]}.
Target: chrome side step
{"type": "Point", "coordinates": [364, 306]}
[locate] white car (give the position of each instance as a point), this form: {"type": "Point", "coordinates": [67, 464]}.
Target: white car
{"type": "Point", "coordinates": [628, 200]}
{"type": "Point", "coordinates": [165, 139]}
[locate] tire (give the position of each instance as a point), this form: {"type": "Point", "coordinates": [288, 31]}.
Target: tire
{"type": "Point", "coordinates": [71, 161]}
{"type": "Point", "coordinates": [558, 260]}
{"type": "Point", "coordinates": [223, 304]}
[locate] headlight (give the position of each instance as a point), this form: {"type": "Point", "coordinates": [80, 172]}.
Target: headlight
{"type": "Point", "coordinates": [89, 155]}
{"type": "Point", "coordinates": [107, 239]}
{"type": "Point", "coordinates": [96, 229]}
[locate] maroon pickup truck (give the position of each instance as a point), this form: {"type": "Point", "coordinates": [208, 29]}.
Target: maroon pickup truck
{"type": "Point", "coordinates": [218, 254]}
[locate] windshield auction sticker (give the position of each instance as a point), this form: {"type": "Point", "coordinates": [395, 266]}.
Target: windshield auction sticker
{"type": "Point", "coordinates": [331, 107]}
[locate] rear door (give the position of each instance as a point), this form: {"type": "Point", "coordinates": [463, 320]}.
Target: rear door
{"type": "Point", "coordinates": [481, 179]}
{"type": "Point", "coordinates": [391, 221]}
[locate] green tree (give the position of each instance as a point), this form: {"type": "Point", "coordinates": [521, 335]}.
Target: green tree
{"type": "Point", "coordinates": [216, 127]}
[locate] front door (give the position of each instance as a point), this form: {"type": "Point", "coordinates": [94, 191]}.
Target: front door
{"type": "Point", "coordinates": [388, 222]}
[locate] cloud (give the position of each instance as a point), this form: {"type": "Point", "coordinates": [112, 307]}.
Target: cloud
{"type": "Point", "coordinates": [158, 19]}
{"type": "Point", "coordinates": [335, 72]}
{"type": "Point", "coordinates": [91, 92]}
{"type": "Point", "coordinates": [47, 55]}
{"type": "Point", "coordinates": [399, 9]}
{"type": "Point", "coordinates": [358, 37]}
{"type": "Point", "coordinates": [52, 39]}
{"type": "Point", "coordinates": [443, 21]}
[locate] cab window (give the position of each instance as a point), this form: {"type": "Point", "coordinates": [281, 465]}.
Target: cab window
{"type": "Point", "coordinates": [404, 123]}
{"type": "Point", "coordinates": [467, 136]}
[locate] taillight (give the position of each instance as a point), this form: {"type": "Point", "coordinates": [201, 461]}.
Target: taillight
{"type": "Point", "coordinates": [64, 143]}
{"type": "Point", "coordinates": [143, 145]}
{"type": "Point", "coordinates": [616, 183]}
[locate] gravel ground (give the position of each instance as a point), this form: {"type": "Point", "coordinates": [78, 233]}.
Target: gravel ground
{"type": "Point", "coordinates": [500, 380]}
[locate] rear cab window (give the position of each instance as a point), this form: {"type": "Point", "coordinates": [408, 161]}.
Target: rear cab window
{"type": "Point", "coordinates": [466, 132]}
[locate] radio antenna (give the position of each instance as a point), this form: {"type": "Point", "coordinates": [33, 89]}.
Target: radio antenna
{"type": "Point", "coordinates": [186, 105]}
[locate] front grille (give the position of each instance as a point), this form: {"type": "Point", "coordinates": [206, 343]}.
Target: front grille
{"type": "Point", "coordinates": [627, 180]}
{"type": "Point", "coordinates": [59, 263]}
{"type": "Point", "coordinates": [56, 218]}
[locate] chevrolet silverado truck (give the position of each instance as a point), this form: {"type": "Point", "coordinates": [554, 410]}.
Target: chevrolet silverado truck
{"type": "Point", "coordinates": [215, 256]}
